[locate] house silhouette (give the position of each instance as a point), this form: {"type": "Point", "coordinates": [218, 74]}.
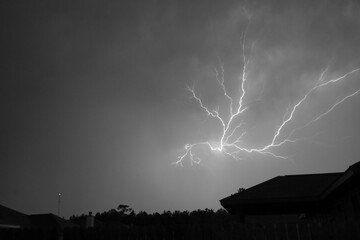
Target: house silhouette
{"type": "Point", "coordinates": [10, 218]}
{"type": "Point", "coordinates": [320, 197]}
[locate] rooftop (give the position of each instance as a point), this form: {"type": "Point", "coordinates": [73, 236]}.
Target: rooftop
{"type": "Point", "coordinates": [292, 188]}
{"type": "Point", "coordinates": [286, 188]}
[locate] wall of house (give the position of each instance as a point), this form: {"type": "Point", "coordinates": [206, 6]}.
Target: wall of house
{"type": "Point", "coordinates": [355, 202]}
{"type": "Point", "coordinates": [343, 204]}
{"type": "Point", "coordinates": [9, 226]}
{"type": "Point", "coordinates": [273, 218]}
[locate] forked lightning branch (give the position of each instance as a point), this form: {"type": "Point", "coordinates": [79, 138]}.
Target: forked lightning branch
{"type": "Point", "coordinates": [231, 142]}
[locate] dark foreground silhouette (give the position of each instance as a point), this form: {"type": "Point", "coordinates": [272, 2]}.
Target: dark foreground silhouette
{"type": "Point", "coordinates": [124, 223]}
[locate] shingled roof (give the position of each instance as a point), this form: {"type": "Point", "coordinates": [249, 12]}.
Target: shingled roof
{"type": "Point", "coordinates": [295, 190]}
{"type": "Point", "coordinates": [10, 218]}
{"type": "Point", "coordinates": [286, 188]}
{"type": "Point", "coordinates": [50, 221]}
{"type": "Point", "coordinates": [13, 219]}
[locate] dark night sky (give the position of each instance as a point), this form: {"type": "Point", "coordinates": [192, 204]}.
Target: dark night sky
{"type": "Point", "coordinates": [94, 104]}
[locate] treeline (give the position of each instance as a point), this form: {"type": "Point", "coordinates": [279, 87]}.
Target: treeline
{"type": "Point", "coordinates": [125, 216]}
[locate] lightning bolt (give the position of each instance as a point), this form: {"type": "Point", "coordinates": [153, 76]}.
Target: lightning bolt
{"type": "Point", "coordinates": [234, 148]}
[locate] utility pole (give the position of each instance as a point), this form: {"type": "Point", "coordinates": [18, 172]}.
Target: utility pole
{"type": "Point", "coordinates": [59, 198]}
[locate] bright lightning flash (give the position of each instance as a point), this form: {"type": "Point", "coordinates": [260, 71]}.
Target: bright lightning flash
{"type": "Point", "coordinates": [234, 148]}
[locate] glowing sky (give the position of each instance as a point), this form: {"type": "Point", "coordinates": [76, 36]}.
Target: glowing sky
{"type": "Point", "coordinates": [95, 101]}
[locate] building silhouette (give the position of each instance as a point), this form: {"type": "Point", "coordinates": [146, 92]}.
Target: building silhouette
{"type": "Point", "coordinates": [325, 197]}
